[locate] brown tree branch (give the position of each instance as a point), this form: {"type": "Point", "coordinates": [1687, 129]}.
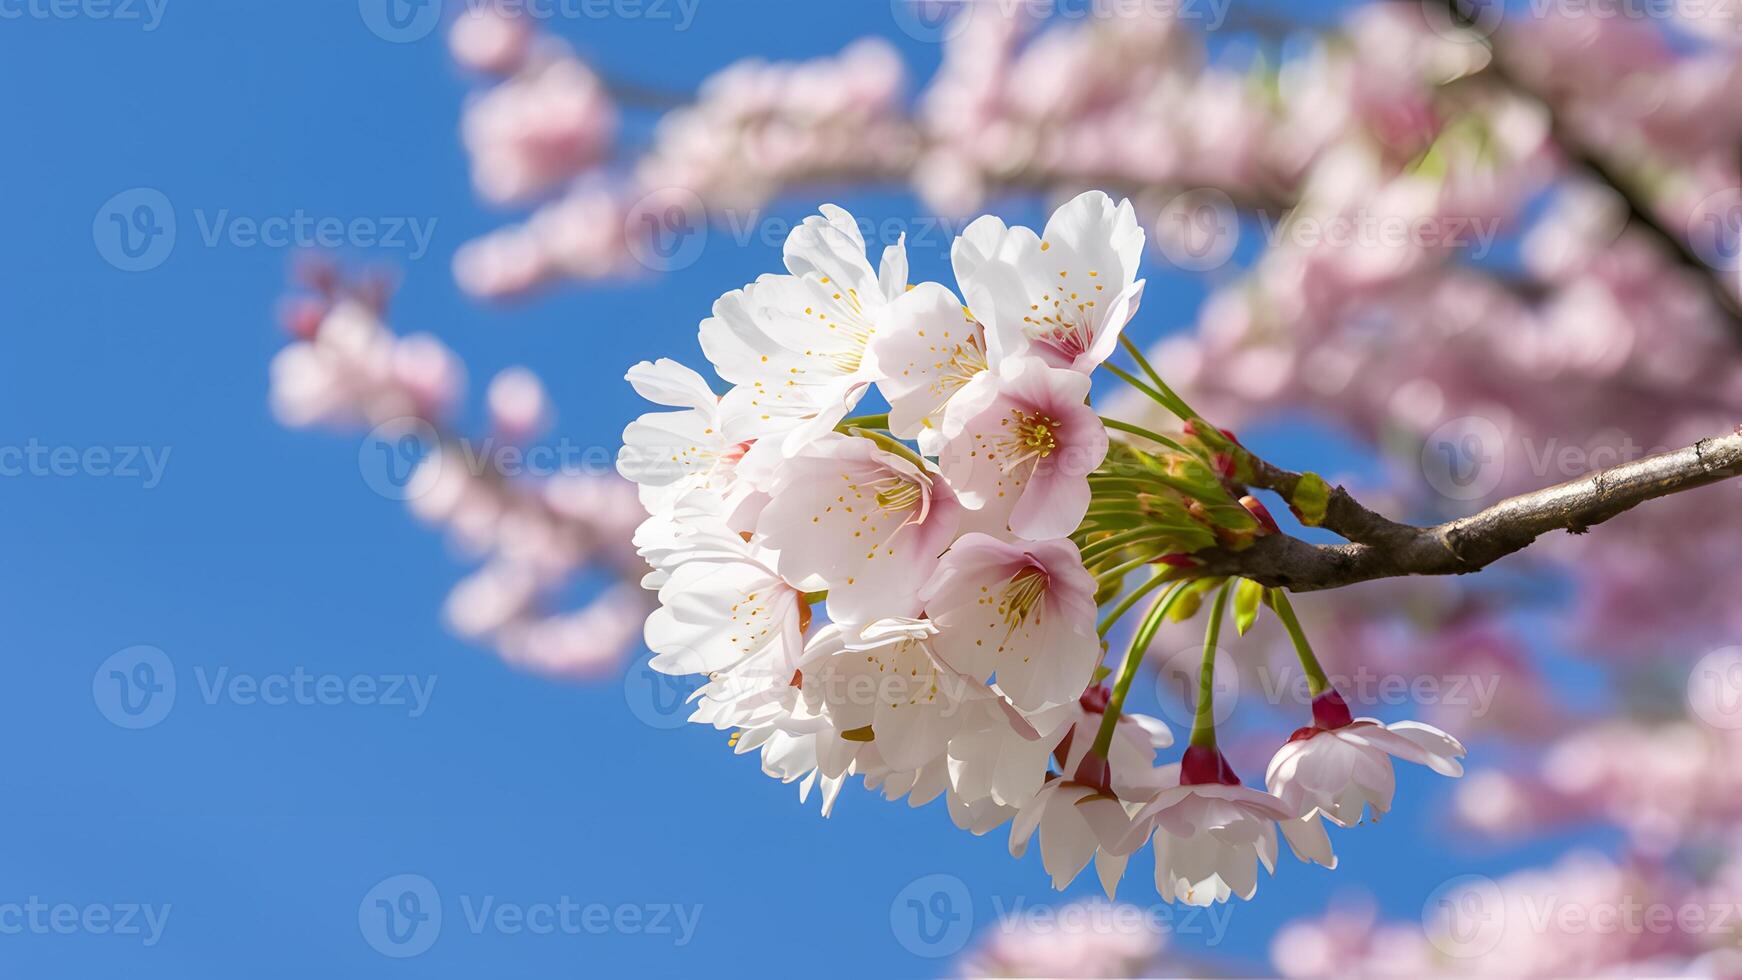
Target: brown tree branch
{"type": "Point", "coordinates": [1382, 548]}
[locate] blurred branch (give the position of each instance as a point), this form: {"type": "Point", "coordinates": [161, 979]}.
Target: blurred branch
{"type": "Point", "coordinates": [1586, 159]}
{"type": "Point", "coordinates": [1382, 548]}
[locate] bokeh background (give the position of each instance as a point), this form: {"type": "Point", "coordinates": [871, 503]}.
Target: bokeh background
{"type": "Point", "coordinates": [256, 552]}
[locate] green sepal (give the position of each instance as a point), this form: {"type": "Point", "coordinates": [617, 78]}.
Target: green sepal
{"type": "Point", "coordinates": [1248, 597]}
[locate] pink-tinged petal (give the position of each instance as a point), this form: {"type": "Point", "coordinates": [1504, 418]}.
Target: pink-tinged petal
{"type": "Point", "coordinates": [928, 352]}
{"type": "Point", "coordinates": [1030, 450]}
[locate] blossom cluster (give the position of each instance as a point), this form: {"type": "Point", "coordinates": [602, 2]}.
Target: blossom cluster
{"type": "Point", "coordinates": [960, 546]}
{"type": "Point", "coordinates": [534, 537]}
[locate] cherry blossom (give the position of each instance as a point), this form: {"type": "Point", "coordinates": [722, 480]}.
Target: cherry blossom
{"type": "Point", "coordinates": [1024, 459]}
{"type": "Point", "coordinates": [1023, 611]}
{"type": "Point", "coordinates": [865, 523]}
{"type": "Point", "coordinates": [1339, 766]}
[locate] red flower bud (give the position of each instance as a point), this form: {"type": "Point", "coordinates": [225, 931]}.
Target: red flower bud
{"type": "Point", "coordinates": [1258, 510]}
{"type": "Point", "coordinates": [1202, 764]}
{"type": "Point", "coordinates": [1331, 711]}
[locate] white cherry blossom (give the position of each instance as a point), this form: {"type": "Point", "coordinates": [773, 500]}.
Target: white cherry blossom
{"type": "Point", "coordinates": [1209, 833]}
{"type": "Point", "coordinates": [1063, 295]}
{"type": "Point", "coordinates": [1024, 611]}
{"type": "Point", "coordinates": [861, 522]}
{"type": "Point", "coordinates": [1340, 767]}
{"type": "Point", "coordinates": [798, 346]}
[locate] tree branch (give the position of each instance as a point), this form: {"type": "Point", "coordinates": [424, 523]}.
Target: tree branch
{"type": "Point", "coordinates": [1586, 159]}
{"type": "Point", "coordinates": [1382, 548]}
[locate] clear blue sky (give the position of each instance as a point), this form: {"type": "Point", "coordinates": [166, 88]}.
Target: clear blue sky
{"type": "Point", "coordinates": [261, 552]}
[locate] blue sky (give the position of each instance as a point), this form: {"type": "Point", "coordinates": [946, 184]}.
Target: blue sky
{"type": "Point", "coordinates": [248, 552]}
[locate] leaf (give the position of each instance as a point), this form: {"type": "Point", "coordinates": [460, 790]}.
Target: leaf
{"type": "Point", "coordinates": [1311, 496]}
{"type": "Point", "coordinates": [1248, 595]}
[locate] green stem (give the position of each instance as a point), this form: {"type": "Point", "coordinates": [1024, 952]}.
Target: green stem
{"type": "Point", "coordinates": [1204, 722]}
{"type": "Point", "coordinates": [1160, 578]}
{"type": "Point", "coordinates": [1143, 362]}
{"type": "Point", "coordinates": [1121, 570]}
{"type": "Point", "coordinates": [1128, 670]}
{"type": "Point", "coordinates": [864, 422]}
{"type": "Point", "coordinates": [1107, 545]}
{"type": "Point", "coordinates": [1317, 682]}
{"type": "Point", "coordinates": [1141, 386]}
{"type": "Point", "coordinates": [1138, 430]}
